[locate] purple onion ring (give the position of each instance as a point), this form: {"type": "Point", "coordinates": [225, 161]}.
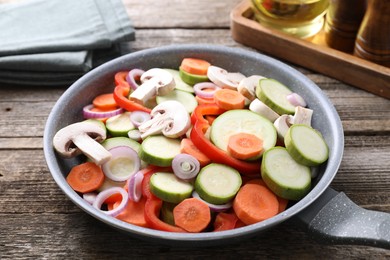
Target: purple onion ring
{"type": "Point", "coordinates": [102, 196]}
{"type": "Point", "coordinates": [133, 76]}
{"type": "Point", "coordinates": [134, 185]}
{"type": "Point", "coordinates": [200, 91]}
{"type": "Point", "coordinates": [88, 114]}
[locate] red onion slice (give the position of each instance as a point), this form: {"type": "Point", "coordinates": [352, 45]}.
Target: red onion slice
{"type": "Point", "coordinates": [102, 196]}
{"type": "Point", "coordinates": [123, 163]}
{"type": "Point", "coordinates": [213, 207]}
{"type": "Point", "coordinates": [139, 117]}
{"type": "Point", "coordinates": [200, 91]}
{"type": "Point", "coordinates": [185, 166]}
{"type": "Point", "coordinates": [296, 100]}
{"type": "Point", "coordinates": [88, 114]}
{"type": "Point", "coordinates": [90, 197]}
{"type": "Point", "coordinates": [133, 76]}
{"type": "Point", "coordinates": [134, 185]}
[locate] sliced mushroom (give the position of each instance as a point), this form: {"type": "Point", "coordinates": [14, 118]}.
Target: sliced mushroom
{"type": "Point", "coordinates": [262, 109]}
{"type": "Point", "coordinates": [282, 124]}
{"type": "Point", "coordinates": [223, 78]}
{"type": "Point", "coordinates": [154, 82]}
{"type": "Point", "coordinates": [169, 118]}
{"type": "Point", "coordinates": [247, 86]}
{"type": "Point", "coordinates": [302, 116]}
{"type": "Point", "coordinates": [82, 137]}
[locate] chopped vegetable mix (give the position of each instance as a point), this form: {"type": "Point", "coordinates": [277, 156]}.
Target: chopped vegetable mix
{"type": "Point", "coordinates": [193, 149]}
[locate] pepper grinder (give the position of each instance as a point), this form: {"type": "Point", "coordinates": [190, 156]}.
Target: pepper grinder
{"type": "Point", "coordinates": [373, 40]}
{"type": "Point", "coordinates": [342, 23]}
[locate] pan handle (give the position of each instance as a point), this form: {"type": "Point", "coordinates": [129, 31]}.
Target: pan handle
{"type": "Point", "coordinates": [333, 218]}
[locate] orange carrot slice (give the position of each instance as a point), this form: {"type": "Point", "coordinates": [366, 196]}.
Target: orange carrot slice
{"type": "Point", "coordinates": [254, 203]}
{"type": "Point", "coordinates": [202, 101]}
{"type": "Point", "coordinates": [195, 66]}
{"type": "Point", "coordinates": [244, 146]}
{"type": "Point", "coordinates": [192, 215]}
{"type": "Point", "coordinates": [229, 99]}
{"type": "Point", "coordinates": [105, 101]}
{"type": "Point", "coordinates": [188, 147]}
{"type": "Point", "coordinates": [85, 177]}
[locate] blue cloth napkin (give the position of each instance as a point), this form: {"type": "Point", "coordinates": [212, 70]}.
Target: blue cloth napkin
{"type": "Point", "coordinates": [54, 42]}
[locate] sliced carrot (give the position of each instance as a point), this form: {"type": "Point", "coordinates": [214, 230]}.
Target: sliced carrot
{"type": "Point", "coordinates": [244, 146]}
{"type": "Point", "coordinates": [134, 213]}
{"type": "Point", "coordinates": [188, 147]}
{"type": "Point", "coordinates": [105, 101]}
{"type": "Point", "coordinates": [202, 101]}
{"type": "Point", "coordinates": [229, 99]}
{"type": "Point", "coordinates": [195, 66]}
{"type": "Point", "coordinates": [254, 203]}
{"type": "Point", "coordinates": [192, 215]}
{"type": "Point", "coordinates": [225, 221]}
{"type": "Point", "coordinates": [282, 202]}
{"type": "Point", "coordinates": [85, 177]}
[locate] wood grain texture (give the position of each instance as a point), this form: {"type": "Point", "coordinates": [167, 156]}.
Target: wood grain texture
{"type": "Point", "coordinates": [38, 221]}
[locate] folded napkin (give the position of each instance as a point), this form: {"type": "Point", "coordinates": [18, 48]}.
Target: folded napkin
{"type": "Point", "coordinates": [54, 42]}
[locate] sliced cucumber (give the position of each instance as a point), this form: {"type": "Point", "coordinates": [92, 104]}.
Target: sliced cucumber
{"type": "Point", "coordinates": [192, 79]}
{"type": "Point", "coordinates": [242, 121]}
{"type": "Point", "coordinates": [283, 175]}
{"type": "Point", "coordinates": [218, 183]}
{"type": "Point", "coordinates": [306, 145]}
{"type": "Point", "coordinates": [274, 94]}
{"type": "Point", "coordinates": [121, 141]}
{"type": "Point", "coordinates": [166, 213]}
{"type": "Point", "coordinates": [180, 84]}
{"type": "Point", "coordinates": [187, 99]}
{"type": "Point", "coordinates": [119, 125]}
{"type": "Point", "coordinates": [159, 150]}
{"type": "Point", "coordinates": [168, 188]}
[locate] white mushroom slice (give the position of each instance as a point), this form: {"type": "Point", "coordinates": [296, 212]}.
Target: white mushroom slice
{"type": "Point", "coordinates": [262, 109]}
{"type": "Point", "coordinates": [247, 86]}
{"type": "Point", "coordinates": [302, 116]}
{"type": "Point", "coordinates": [82, 137]}
{"type": "Point", "coordinates": [224, 79]}
{"type": "Point", "coordinates": [169, 118]}
{"type": "Point", "coordinates": [154, 82]}
{"type": "Point", "coordinates": [282, 125]}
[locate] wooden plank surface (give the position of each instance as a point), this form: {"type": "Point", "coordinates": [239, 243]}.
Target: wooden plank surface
{"type": "Point", "coordinates": [39, 222]}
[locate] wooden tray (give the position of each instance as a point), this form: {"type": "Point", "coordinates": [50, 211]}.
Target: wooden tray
{"type": "Point", "coordinates": [313, 54]}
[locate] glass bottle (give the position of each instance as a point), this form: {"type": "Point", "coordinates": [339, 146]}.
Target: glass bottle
{"type": "Point", "coordinates": [373, 40]}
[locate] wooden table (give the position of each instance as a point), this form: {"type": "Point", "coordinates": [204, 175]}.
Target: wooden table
{"type": "Point", "coordinates": [38, 221]}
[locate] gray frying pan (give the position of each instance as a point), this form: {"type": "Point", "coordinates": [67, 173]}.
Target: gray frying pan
{"type": "Point", "coordinates": [329, 215]}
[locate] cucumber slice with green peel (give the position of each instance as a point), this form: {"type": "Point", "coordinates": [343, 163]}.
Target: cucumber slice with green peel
{"type": "Point", "coordinates": [121, 141]}
{"type": "Point", "coordinates": [180, 84]}
{"type": "Point", "coordinates": [166, 213]}
{"type": "Point", "coordinates": [159, 150]}
{"type": "Point", "coordinates": [306, 145]}
{"type": "Point", "coordinates": [167, 187]}
{"type": "Point", "coordinates": [283, 175]}
{"type": "Point", "coordinates": [274, 94]}
{"type": "Point", "coordinates": [192, 79]}
{"type": "Point", "coordinates": [218, 183]}
{"type": "Point", "coordinates": [187, 99]}
{"type": "Point", "coordinates": [120, 125]}
{"type": "Point", "coordinates": [242, 121]}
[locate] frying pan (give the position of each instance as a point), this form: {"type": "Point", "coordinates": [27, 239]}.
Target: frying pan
{"type": "Point", "coordinates": [329, 215]}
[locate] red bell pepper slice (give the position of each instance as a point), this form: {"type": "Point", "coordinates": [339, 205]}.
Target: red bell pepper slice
{"type": "Point", "coordinates": [120, 95]}
{"type": "Point", "coordinates": [209, 149]}
{"type": "Point", "coordinates": [152, 212]}
{"type": "Point", "coordinates": [225, 221]}
{"type": "Point", "coordinates": [120, 79]}
{"type": "Point", "coordinates": [153, 204]}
